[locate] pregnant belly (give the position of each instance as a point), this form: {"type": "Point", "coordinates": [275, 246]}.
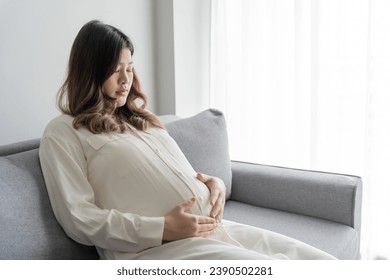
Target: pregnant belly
{"type": "Point", "coordinates": [152, 195]}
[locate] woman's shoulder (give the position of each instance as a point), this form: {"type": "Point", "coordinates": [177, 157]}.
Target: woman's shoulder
{"type": "Point", "coordinates": [60, 127]}
{"type": "Point", "coordinates": [60, 122]}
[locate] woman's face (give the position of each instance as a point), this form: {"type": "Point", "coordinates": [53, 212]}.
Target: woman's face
{"type": "Point", "coordinates": [118, 85]}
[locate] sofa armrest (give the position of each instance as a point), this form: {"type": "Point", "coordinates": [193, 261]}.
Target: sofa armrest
{"type": "Point", "coordinates": [329, 196]}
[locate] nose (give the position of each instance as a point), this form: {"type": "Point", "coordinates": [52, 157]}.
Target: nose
{"type": "Point", "coordinates": [124, 79]}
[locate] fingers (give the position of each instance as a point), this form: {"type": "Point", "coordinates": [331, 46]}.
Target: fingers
{"type": "Point", "coordinates": [202, 177]}
{"type": "Point", "coordinates": [205, 226]}
{"type": "Point", "coordinates": [180, 224]}
{"type": "Point", "coordinates": [186, 205]}
{"type": "Point", "coordinates": [217, 194]}
{"type": "Point", "coordinates": [217, 214]}
{"type": "Point", "coordinates": [214, 196]}
{"type": "Point", "coordinates": [218, 204]}
{"type": "Point", "coordinates": [204, 220]}
{"type": "Point", "coordinates": [205, 231]}
{"type": "Point", "coordinates": [214, 192]}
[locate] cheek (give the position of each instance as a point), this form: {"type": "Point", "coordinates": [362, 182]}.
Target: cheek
{"type": "Point", "coordinates": [108, 88]}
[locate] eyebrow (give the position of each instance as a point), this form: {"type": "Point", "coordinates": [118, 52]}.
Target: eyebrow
{"type": "Point", "coordinates": [131, 62]}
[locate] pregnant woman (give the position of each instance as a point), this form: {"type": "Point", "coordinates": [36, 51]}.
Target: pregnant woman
{"type": "Point", "coordinates": [118, 181]}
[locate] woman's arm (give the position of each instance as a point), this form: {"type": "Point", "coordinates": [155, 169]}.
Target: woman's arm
{"type": "Point", "coordinates": [72, 198]}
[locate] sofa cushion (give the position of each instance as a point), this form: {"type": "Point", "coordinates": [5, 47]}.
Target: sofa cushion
{"type": "Point", "coordinates": [28, 228]}
{"type": "Point", "coordinates": [339, 240]}
{"type": "Point", "coordinates": [204, 141]}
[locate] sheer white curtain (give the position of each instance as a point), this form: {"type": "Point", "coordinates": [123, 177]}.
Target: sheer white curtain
{"type": "Point", "coordinates": [306, 84]}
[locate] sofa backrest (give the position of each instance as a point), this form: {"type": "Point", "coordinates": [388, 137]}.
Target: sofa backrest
{"type": "Point", "coordinates": [28, 228]}
{"type": "Point", "coordinates": [203, 138]}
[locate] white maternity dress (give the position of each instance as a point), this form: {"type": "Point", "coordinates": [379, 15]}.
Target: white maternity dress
{"type": "Point", "coordinates": [113, 190]}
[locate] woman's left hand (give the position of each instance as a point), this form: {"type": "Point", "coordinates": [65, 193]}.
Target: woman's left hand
{"type": "Point", "coordinates": [217, 194]}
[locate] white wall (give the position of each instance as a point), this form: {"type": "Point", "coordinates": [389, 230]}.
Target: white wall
{"type": "Point", "coordinates": [165, 57]}
{"type": "Point", "coordinates": [36, 37]}
{"type": "Point", "coordinates": [192, 55]}
{"type": "Point", "coordinates": [182, 56]}
{"type": "Point", "coordinates": [171, 40]}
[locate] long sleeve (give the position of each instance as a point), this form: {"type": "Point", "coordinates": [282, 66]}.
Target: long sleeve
{"type": "Point", "coordinates": [72, 198]}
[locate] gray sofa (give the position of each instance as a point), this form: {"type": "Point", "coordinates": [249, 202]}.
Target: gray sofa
{"type": "Point", "coordinates": [321, 209]}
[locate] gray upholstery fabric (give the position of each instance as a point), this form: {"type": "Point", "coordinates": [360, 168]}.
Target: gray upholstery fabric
{"type": "Point", "coordinates": [318, 194]}
{"type": "Point", "coordinates": [19, 147]}
{"type": "Point", "coordinates": [336, 239]}
{"type": "Point", "coordinates": [203, 139]}
{"type": "Point", "coordinates": [28, 228]}
{"type": "Point", "coordinates": [169, 118]}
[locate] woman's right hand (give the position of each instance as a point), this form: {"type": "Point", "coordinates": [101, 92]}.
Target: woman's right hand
{"type": "Point", "coordinates": [180, 224]}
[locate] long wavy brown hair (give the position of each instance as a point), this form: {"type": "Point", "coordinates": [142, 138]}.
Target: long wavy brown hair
{"type": "Point", "coordinates": [93, 58]}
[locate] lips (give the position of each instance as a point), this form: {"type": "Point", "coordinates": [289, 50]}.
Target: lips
{"type": "Point", "coordinates": [122, 92]}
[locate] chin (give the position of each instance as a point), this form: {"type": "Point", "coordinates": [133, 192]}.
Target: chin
{"type": "Point", "coordinates": [120, 104]}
